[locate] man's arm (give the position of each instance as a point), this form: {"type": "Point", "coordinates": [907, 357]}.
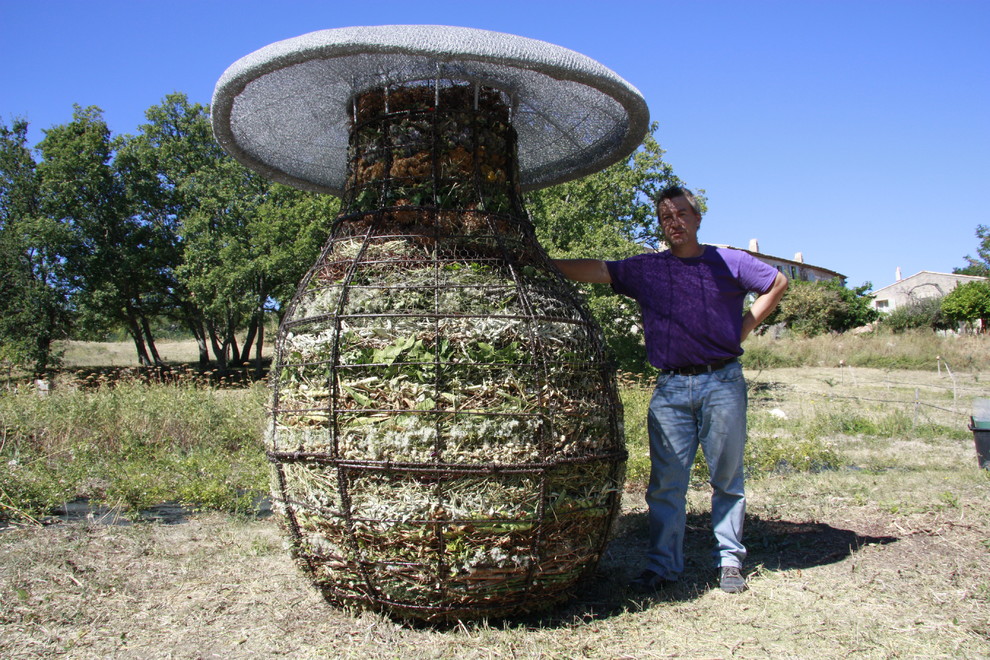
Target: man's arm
{"type": "Point", "coordinates": [584, 270]}
{"type": "Point", "coordinates": [762, 306]}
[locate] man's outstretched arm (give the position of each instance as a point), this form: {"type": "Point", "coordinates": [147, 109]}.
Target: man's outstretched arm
{"type": "Point", "coordinates": [584, 270]}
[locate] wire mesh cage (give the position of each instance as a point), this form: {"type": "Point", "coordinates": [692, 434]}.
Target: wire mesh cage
{"type": "Point", "coordinates": [445, 433]}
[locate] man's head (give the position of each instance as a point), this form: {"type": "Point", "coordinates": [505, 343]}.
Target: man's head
{"type": "Point", "coordinates": [680, 217]}
{"type": "Point", "coordinates": [670, 192]}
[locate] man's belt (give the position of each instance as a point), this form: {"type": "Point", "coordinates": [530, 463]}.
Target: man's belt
{"type": "Point", "coordinates": [696, 369]}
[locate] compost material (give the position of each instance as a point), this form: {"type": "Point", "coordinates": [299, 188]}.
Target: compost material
{"type": "Point", "coordinates": [445, 434]}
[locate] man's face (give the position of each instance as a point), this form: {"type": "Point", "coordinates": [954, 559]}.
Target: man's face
{"type": "Point", "coordinates": [679, 221]}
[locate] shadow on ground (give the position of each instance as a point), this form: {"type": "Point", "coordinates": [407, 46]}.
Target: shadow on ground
{"type": "Point", "coordinates": [776, 545]}
{"type": "Point", "coordinates": [84, 510]}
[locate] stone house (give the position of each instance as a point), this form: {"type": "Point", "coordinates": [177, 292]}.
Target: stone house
{"type": "Point", "coordinates": [925, 284]}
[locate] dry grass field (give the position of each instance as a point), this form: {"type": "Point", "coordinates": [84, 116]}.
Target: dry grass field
{"type": "Point", "coordinates": [885, 557]}
{"type": "Point", "coordinates": [123, 354]}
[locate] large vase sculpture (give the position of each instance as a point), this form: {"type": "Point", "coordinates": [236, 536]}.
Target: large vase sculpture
{"type": "Point", "coordinates": [445, 429]}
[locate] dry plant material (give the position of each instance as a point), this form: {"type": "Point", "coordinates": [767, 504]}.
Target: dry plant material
{"type": "Point", "coordinates": [446, 431]}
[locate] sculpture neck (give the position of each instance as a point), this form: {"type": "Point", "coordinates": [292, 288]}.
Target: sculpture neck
{"type": "Point", "coordinates": [434, 149]}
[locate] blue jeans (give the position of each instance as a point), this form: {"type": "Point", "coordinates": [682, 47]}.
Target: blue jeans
{"type": "Point", "coordinates": [707, 409]}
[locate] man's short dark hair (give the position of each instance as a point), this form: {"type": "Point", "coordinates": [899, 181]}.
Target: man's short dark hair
{"type": "Point", "coordinates": [670, 192]}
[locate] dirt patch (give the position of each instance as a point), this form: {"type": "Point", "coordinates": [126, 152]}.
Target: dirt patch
{"type": "Point", "coordinates": [222, 587]}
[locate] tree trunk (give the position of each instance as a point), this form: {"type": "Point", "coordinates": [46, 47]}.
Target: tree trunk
{"type": "Point", "coordinates": [256, 326]}
{"type": "Point", "coordinates": [197, 330]}
{"type": "Point", "coordinates": [146, 327]}
{"type": "Point", "coordinates": [44, 343]}
{"type": "Point", "coordinates": [204, 351]}
{"type": "Point", "coordinates": [245, 355]}
{"type": "Point", "coordinates": [142, 351]}
{"type": "Point", "coordinates": [259, 370]}
{"type": "Point", "coordinates": [44, 355]}
{"type": "Point", "coordinates": [219, 349]}
{"type": "Point", "coordinates": [235, 352]}
{"type": "Point", "coordinates": [193, 318]}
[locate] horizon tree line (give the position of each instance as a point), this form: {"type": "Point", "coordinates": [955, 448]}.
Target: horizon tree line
{"type": "Point", "coordinates": [102, 233]}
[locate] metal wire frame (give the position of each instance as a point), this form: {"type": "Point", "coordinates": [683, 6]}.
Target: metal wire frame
{"type": "Point", "coordinates": [408, 260]}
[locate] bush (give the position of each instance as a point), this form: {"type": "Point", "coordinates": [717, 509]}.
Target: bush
{"type": "Point", "coordinates": [621, 323]}
{"type": "Point", "coordinates": [814, 308]}
{"type": "Point", "coordinates": [925, 313]}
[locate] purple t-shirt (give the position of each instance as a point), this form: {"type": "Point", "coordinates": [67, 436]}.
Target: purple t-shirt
{"type": "Point", "coordinates": [692, 308]}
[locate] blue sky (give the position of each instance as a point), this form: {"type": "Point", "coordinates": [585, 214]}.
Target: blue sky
{"type": "Point", "coordinates": [855, 132]}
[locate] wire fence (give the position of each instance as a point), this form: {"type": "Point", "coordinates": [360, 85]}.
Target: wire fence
{"type": "Point", "coordinates": [910, 389]}
{"type": "Point", "coordinates": [849, 384]}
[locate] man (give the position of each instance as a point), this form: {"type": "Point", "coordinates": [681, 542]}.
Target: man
{"type": "Point", "coordinates": [691, 298]}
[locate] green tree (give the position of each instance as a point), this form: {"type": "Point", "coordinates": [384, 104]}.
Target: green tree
{"type": "Point", "coordinates": [248, 243]}
{"type": "Point", "coordinates": [220, 261]}
{"type": "Point", "coordinates": [968, 303]}
{"type": "Point", "coordinates": [979, 265]}
{"type": "Point", "coordinates": [858, 306]}
{"type": "Point", "coordinates": [34, 289]}
{"type": "Point", "coordinates": [237, 244]}
{"type": "Point", "coordinates": [159, 167]}
{"type": "Point", "coordinates": [111, 260]}
{"type": "Point", "coordinates": [291, 229]}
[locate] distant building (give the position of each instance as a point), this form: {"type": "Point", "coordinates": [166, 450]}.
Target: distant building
{"type": "Point", "coordinates": [925, 284]}
{"type": "Point", "coordinates": [794, 269]}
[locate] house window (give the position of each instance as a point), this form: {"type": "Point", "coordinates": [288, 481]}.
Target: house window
{"type": "Point", "coordinates": [882, 304]}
